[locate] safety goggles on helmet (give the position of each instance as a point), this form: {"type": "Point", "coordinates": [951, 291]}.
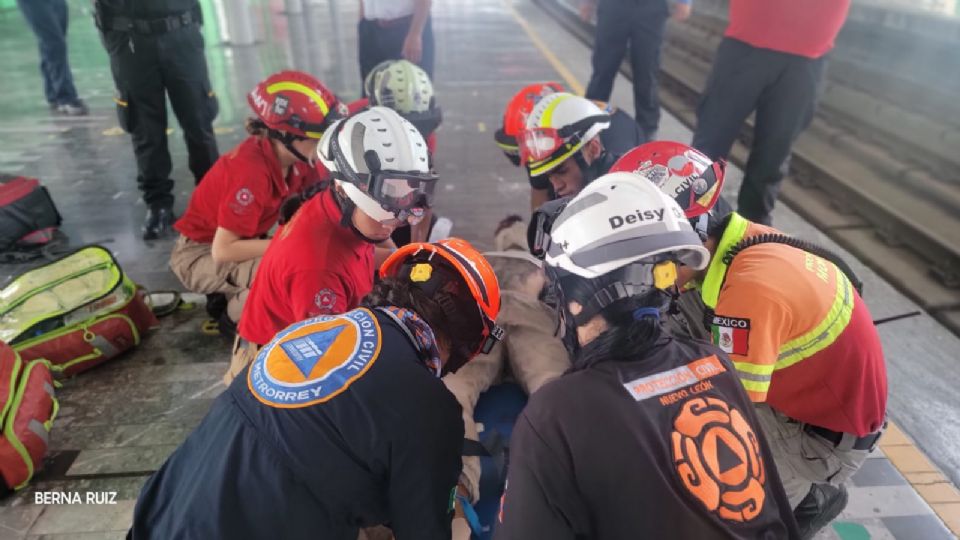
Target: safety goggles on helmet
{"type": "Point", "coordinates": [542, 143]}
{"type": "Point", "coordinates": [404, 193]}
{"type": "Point", "coordinates": [538, 232]}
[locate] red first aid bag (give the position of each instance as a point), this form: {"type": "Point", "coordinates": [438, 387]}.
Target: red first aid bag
{"type": "Point", "coordinates": [29, 406]}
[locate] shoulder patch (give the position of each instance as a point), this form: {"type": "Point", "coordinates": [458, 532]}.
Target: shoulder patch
{"type": "Point", "coordinates": [731, 334]}
{"type": "Point", "coordinates": [315, 360]}
{"type": "Point", "coordinates": [325, 300]}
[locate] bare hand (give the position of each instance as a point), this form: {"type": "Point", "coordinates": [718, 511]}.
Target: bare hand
{"type": "Point", "coordinates": [681, 12]}
{"type": "Point", "coordinates": [413, 47]}
{"type": "Point", "coordinates": [587, 8]}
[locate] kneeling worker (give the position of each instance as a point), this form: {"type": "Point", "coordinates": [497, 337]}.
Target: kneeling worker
{"type": "Point", "coordinates": [805, 348]}
{"type": "Point", "coordinates": [322, 261]}
{"type": "Point", "coordinates": [342, 421]}
{"type": "Point", "coordinates": [648, 436]}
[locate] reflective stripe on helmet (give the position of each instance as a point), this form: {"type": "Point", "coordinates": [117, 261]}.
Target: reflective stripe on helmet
{"type": "Point", "coordinates": [303, 89]}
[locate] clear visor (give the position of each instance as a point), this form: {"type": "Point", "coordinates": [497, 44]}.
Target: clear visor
{"type": "Point", "coordinates": [538, 144]}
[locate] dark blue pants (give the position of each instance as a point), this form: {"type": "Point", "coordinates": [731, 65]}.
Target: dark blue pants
{"type": "Point", "coordinates": [48, 20]}
{"type": "Point", "coordinates": [782, 88]}
{"type": "Point", "coordinates": [376, 43]}
{"type": "Point", "coordinates": [639, 24]}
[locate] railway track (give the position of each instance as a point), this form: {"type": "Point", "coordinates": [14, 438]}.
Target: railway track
{"type": "Point", "coordinates": [880, 178]}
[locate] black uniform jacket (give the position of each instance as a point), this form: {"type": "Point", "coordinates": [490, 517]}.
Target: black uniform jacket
{"type": "Point", "coordinates": [271, 462]}
{"type": "Point", "coordinates": [663, 445]}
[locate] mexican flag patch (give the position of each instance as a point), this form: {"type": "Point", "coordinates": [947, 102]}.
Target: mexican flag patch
{"type": "Point", "coordinates": [732, 335]}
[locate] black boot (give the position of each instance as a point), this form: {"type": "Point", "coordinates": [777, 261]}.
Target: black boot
{"type": "Point", "coordinates": [819, 508]}
{"type": "Point", "coordinates": [216, 305]}
{"type": "Point", "coordinates": [158, 223]}
{"type": "Point", "coordinates": [227, 327]}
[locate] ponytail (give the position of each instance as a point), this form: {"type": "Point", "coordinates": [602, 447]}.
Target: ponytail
{"type": "Point", "coordinates": [628, 336]}
{"type": "Point", "coordinates": [256, 127]}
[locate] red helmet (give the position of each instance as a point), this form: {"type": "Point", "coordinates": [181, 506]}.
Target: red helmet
{"type": "Point", "coordinates": [682, 172]}
{"type": "Point", "coordinates": [515, 115]}
{"type": "Point", "coordinates": [294, 102]}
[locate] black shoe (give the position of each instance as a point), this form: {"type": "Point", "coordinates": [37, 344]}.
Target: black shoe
{"type": "Point", "coordinates": [159, 222]}
{"type": "Point", "coordinates": [819, 508]}
{"type": "Point", "coordinates": [216, 305]}
{"type": "Point", "coordinates": [227, 327]}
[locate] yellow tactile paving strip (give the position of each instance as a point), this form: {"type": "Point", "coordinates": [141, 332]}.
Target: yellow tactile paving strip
{"type": "Point", "coordinates": [923, 475]}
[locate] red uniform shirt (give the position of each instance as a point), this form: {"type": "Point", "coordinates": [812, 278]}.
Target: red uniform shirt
{"type": "Point", "coordinates": [242, 193]}
{"type": "Point", "coordinates": [805, 28]}
{"type": "Point", "coordinates": [363, 103]}
{"type": "Point", "coordinates": [314, 266]}
{"type": "Point", "coordinates": [800, 337]}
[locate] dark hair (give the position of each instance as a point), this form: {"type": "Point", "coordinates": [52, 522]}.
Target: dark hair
{"type": "Point", "coordinates": [256, 127]}
{"type": "Point", "coordinates": [454, 331]}
{"type": "Point", "coordinates": [720, 218]}
{"type": "Point", "coordinates": [626, 338]}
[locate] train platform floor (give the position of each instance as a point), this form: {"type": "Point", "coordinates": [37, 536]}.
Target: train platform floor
{"type": "Point", "coordinates": [120, 421]}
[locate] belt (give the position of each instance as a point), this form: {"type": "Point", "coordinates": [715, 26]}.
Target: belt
{"type": "Point", "coordinates": [846, 440]}
{"type": "Point", "coordinates": [160, 25]}
{"type": "Point", "coordinates": [390, 23]}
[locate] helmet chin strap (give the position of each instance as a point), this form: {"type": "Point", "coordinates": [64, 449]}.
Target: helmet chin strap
{"type": "Point", "coordinates": [286, 140]}
{"type": "Point", "coordinates": [288, 144]}
{"type": "Point", "coordinates": [347, 208]}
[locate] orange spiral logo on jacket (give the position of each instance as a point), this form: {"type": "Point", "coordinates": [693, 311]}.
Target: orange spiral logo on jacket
{"type": "Point", "coordinates": [717, 456]}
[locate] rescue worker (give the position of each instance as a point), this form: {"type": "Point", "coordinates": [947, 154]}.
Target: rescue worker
{"type": "Point", "coordinates": [561, 142]}
{"type": "Point", "coordinates": [223, 233]}
{"type": "Point", "coordinates": [622, 135]}
{"type": "Point", "coordinates": [648, 436]}
{"type": "Point", "coordinates": [771, 60]}
{"type": "Point", "coordinates": [696, 183]}
{"type": "Point", "coordinates": [156, 51]}
{"type": "Point", "coordinates": [406, 88]}
{"type": "Point", "coordinates": [342, 421]}
{"type": "Point", "coordinates": [322, 261]}
{"type": "Point", "coordinates": [530, 351]}
{"type": "Point", "coordinates": [641, 25]}
{"type": "Point", "coordinates": [804, 345]}
{"type": "Point", "coordinates": [395, 29]}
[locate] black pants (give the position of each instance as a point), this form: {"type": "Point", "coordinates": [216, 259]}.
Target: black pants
{"type": "Point", "coordinates": [783, 89]}
{"type": "Point", "coordinates": [377, 43]}
{"type": "Point", "coordinates": [641, 24]}
{"type": "Point", "coordinates": [146, 69]}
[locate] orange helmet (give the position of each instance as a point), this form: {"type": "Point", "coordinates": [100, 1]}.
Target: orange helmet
{"type": "Point", "coordinates": [441, 269]}
{"type": "Point", "coordinates": [296, 103]}
{"type": "Point", "coordinates": [515, 116]}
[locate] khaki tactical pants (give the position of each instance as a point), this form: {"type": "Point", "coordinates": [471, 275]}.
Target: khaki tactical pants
{"type": "Point", "coordinates": [535, 357]}
{"type": "Point", "coordinates": [802, 458]}
{"type": "Point", "coordinates": [243, 355]}
{"type": "Point", "coordinates": [193, 264]}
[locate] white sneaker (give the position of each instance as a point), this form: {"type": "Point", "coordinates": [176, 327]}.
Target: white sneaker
{"type": "Point", "coordinates": [441, 229]}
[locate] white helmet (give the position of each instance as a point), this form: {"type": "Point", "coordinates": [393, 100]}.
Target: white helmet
{"type": "Point", "coordinates": [557, 128]}
{"type": "Point", "coordinates": [380, 161]}
{"type": "Point", "coordinates": [619, 219]}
